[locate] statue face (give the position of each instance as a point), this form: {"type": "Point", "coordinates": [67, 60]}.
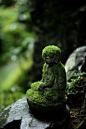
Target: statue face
{"type": "Point", "coordinates": [48, 60]}
{"type": "Point", "coordinates": [51, 59]}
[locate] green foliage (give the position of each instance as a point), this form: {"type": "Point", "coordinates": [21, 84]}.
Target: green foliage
{"type": "Point", "coordinates": [9, 96]}
{"type": "Point", "coordinates": [77, 84]}
{"type": "Point", "coordinates": [16, 44]}
{"type": "Point", "coordinates": [17, 76]}
{"type": "Point", "coordinates": [23, 5]}
{"type": "Point", "coordinates": [15, 38]}
{"type": "Point", "coordinates": [13, 87]}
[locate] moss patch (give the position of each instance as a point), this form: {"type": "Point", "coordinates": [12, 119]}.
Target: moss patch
{"type": "Point", "coordinates": [40, 97]}
{"type": "Point", "coordinates": [50, 50]}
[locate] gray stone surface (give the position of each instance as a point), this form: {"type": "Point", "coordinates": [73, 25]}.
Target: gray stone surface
{"type": "Point", "coordinates": [14, 111]}
{"type": "Point", "coordinates": [76, 62]}
{"type": "Point", "coordinates": [20, 111]}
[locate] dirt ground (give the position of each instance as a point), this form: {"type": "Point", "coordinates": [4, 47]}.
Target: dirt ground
{"type": "Point", "coordinates": [77, 111]}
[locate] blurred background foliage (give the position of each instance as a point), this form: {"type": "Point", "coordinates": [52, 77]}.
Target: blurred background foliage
{"type": "Point", "coordinates": [16, 48]}
{"type": "Point", "coordinates": [15, 34]}
{"type": "Point", "coordinates": [26, 27]}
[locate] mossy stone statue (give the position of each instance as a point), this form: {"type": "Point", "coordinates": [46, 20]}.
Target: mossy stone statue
{"type": "Point", "coordinates": [48, 95]}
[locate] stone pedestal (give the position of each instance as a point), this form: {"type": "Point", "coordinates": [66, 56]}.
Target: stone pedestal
{"type": "Point", "coordinates": [47, 110]}
{"type": "Point", "coordinates": [55, 120]}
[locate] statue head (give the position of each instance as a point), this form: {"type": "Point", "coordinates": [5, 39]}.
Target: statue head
{"type": "Point", "coordinates": [51, 54]}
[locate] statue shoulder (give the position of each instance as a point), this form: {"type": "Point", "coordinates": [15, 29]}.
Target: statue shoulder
{"type": "Point", "coordinates": [45, 66]}
{"type": "Point", "coordinates": [59, 68]}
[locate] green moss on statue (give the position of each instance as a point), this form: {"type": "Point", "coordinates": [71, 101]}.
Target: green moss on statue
{"type": "Point", "coordinates": [51, 88]}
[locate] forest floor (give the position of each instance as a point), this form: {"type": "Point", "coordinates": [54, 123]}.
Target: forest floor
{"type": "Point", "coordinates": [77, 112]}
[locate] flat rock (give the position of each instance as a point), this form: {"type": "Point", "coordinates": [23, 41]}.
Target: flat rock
{"type": "Point", "coordinates": [18, 116]}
